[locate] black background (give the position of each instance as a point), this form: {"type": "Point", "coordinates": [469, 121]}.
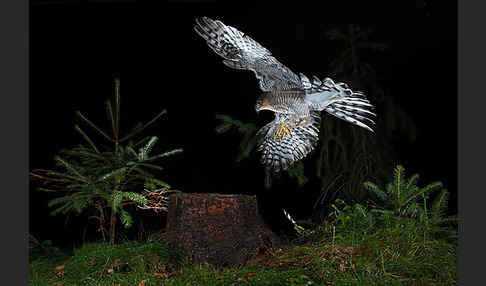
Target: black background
{"type": "Point", "coordinates": [77, 49]}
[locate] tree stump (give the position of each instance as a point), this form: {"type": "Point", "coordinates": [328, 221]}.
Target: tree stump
{"type": "Point", "coordinates": [218, 229]}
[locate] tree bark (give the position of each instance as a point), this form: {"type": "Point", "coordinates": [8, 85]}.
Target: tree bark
{"type": "Point", "coordinates": [218, 229]}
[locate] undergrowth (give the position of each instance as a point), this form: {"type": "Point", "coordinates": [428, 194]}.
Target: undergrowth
{"type": "Point", "coordinates": [407, 242]}
{"type": "Point", "coordinates": [341, 252]}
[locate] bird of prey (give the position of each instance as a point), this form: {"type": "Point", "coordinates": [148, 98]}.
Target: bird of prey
{"type": "Point", "coordinates": [296, 101]}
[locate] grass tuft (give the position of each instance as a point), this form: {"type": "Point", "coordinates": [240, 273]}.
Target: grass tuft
{"type": "Point", "coordinates": [386, 254]}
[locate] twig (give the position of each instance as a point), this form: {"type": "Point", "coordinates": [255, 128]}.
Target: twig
{"type": "Point", "coordinates": [157, 200]}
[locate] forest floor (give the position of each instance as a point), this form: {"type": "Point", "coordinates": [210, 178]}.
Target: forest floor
{"type": "Point", "coordinates": [385, 256]}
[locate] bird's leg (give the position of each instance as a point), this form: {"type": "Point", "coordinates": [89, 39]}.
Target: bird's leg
{"type": "Point", "coordinates": [284, 129]}
{"type": "Point", "coordinates": [287, 130]}
{"type": "Point", "coordinates": [304, 122]}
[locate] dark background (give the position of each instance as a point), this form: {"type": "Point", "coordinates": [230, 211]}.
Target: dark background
{"type": "Point", "coordinates": [77, 48]}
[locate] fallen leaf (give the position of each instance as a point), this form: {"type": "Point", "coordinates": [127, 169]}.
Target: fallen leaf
{"type": "Point", "coordinates": [142, 283]}
{"type": "Point", "coordinates": [118, 284]}
{"type": "Point", "coordinates": [285, 264]}
{"type": "Point", "coordinates": [109, 270]}
{"type": "Point", "coordinates": [250, 274]}
{"type": "Point", "coordinates": [59, 268]}
{"type": "Point", "coordinates": [219, 277]}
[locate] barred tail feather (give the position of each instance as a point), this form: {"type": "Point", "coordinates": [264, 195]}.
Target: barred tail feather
{"type": "Point", "coordinates": [339, 100]}
{"type": "Point", "coordinates": [353, 111]}
{"type": "Point", "coordinates": [351, 117]}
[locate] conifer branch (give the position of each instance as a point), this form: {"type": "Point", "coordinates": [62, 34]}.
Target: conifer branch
{"type": "Point", "coordinates": [166, 154]}
{"type": "Point", "coordinates": [117, 107]}
{"type": "Point", "coordinates": [90, 142]}
{"type": "Point", "coordinates": [109, 111]}
{"type": "Point", "coordinates": [136, 131]}
{"type": "Point", "coordinates": [93, 126]}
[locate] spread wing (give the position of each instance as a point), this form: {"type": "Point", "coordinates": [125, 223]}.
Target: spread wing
{"type": "Point", "coordinates": [242, 52]}
{"type": "Point", "coordinates": [281, 154]}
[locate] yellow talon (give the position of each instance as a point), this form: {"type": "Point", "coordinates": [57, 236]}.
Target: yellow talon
{"type": "Point", "coordinates": [284, 129]}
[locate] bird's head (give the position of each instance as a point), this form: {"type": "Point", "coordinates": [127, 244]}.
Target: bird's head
{"type": "Point", "coordinates": [261, 103]}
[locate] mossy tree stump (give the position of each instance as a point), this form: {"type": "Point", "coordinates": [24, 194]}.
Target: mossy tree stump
{"type": "Point", "coordinates": [218, 229]}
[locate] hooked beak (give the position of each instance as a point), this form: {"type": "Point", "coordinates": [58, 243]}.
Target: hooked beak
{"type": "Point", "coordinates": [257, 108]}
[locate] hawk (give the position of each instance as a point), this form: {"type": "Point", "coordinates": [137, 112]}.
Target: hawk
{"type": "Point", "coordinates": [296, 101]}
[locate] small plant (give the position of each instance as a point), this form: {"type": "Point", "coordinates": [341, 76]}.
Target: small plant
{"type": "Point", "coordinates": [112, 179]}
{"type": "Point", "coordinates": [402, 195]}
{"type": "Point", "coordinates": [402, 199]}
{"type": "Point", "coordinates": [350, 220]}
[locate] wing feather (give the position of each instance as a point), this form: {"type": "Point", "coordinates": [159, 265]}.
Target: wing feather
{"type": "Point", "coordinates": [281, 154]}
{"type": "Point", "coordinates": [242, 52]}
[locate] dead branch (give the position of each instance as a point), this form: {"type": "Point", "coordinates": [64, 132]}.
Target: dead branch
{"type": "Point", "coordinates": [157, 200]}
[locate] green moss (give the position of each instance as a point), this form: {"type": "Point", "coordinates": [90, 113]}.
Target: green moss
{"type": "Point", "coordinates": [384, 256]}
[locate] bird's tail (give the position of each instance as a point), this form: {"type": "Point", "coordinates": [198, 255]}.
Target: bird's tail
{"type": "Point", "coordinates": [339, 100]}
